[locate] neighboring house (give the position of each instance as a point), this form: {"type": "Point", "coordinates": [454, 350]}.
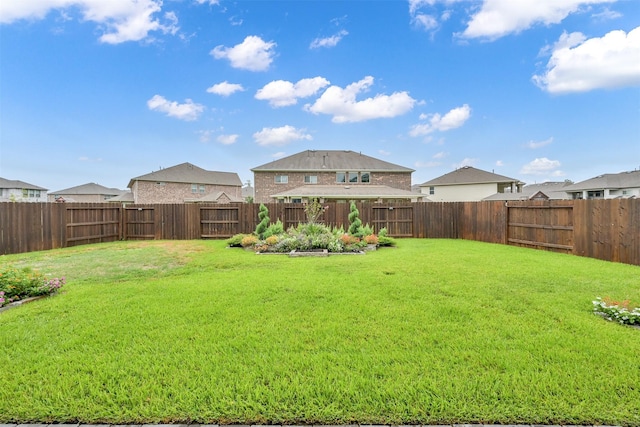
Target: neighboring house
{"type": "Point", "coordinates": [332, 175]}
{"type": "Point", "coordinates": [19, 191]}
{"type": "Point", "coordinates": [186, 183]}
{"type": "Point", "coordinates": [543, 191]}
{"type": "Point", "coordinates": [248, 192]}
{"type": "Point", "coordinates": [85, 193]}
{"type": "Point", "coordinates": [469, 184]}
{"type": "Point", "coordinates": [607, 186]}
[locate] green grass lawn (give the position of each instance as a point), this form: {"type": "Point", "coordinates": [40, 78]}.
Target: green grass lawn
{"type": "Point", "coordinates": [430, 332]}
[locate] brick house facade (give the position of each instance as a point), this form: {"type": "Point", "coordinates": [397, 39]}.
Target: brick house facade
{"type": "Point", "coordinates": [331, 175]}
{"type": "Point", "coordinates": [186, 183]}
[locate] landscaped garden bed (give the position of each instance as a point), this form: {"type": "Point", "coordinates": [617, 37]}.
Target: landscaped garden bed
{"type": "Point", "coordinates": [433, 332]}
{"type": "Point", "coordinates": [311, 238]}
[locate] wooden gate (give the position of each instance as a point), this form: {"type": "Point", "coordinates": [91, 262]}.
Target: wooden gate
{"type": "Point", "coordinates": [398, 219]}
{"type": "Point", "coordinates": [92, 224]}
{"type": "Point", "coordinates": [219, 221]}
{"type": "Point", "coordinates": [541, 225]}
{"type": "Point", "coordinates": [139, 223]}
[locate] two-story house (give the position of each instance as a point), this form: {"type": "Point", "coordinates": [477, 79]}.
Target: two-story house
{"type": "Point", "coordinates": [186, 183]}
{"type": "Point", "coordinates": [332, 175]}
{"type": "Point", "coordinates": [87, 193]}
{"type": "Point", "coordinates": [19, 191]}
{"type": "Point", "coordinates": [607, 186]}
{"type": "Point", "coordinates": [468, 184]}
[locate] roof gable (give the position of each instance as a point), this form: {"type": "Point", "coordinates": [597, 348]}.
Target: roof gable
{"type": "Point", "coordinates": [329, 161]}
{"type": "Point", "coordinates": [469, 175]}
{"type": "Point", "coordinates": [186, 173]}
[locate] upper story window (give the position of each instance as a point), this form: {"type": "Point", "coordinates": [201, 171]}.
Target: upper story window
{"type": "Point", "coordinates": [197, 188]}
{"type": "Point", "coordinates": [353, 177]}
{"type": "Point", "coordinates": [282, 179]}
{"type": "Point", "coordinates": [432, 190]}
{"type": "Point", "coordinates": [311, 179]}
{"type": "Point", "coordinates": [30, 193]}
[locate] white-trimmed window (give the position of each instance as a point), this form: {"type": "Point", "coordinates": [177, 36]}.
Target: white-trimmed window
{"type": "Point", "coordinates": [432, 190]}
{"type": "Point", "coordinates": [311, 179]}
{"type": "Point", "coordinates": [282, 179]}
{"type": "Point", "coordinates": [365, 177]}
{"type": "Point", "coordinates": [341, 177]}
{"type": "Point", "coordinates": [353, 177]}
{"type": "Point", "coordinates": [194, 188]}
{"type": "Point", "coordinates": [30, 193]}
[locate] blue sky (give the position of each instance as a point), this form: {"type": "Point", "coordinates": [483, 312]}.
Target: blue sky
{"type": "Point", "coordinates": [106, 90]}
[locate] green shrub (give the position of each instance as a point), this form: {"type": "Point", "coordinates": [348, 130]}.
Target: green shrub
{"type": "Point", "coordinates": [384, 239]}
{"type": "Point", "coordinates": [235, 241]}
{"type": "Point", "coordinates": [263, 216]}
{"type": "Point", "coordinates": [355, 224]}
{"type": "Point", "coordinates": [273, 229]}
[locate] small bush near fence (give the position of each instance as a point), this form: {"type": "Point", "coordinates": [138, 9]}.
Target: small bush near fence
{"type": "Point", "coordinates": [18, 284]}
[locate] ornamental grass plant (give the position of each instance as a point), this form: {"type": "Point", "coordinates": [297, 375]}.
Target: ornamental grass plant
{"type": "Point", "coordinates": [430, 332]}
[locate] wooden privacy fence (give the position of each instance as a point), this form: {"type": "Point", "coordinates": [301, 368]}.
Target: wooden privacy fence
{"type": "Point", "coordinates": [603, 229]}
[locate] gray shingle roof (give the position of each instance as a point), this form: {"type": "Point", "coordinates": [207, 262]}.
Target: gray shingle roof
{"type": "Point", "coordinates": [15, 184]}
{"type": "Point", "coordinates": [347, 191]}
{"type": "Point", "coordinates": [187, 173]}
{"type": "Point", "coordinates": [553, 190]}
{"type": "Point", "coordinates": [612, 181]}
{"type": "Point", "coordinates": [330, 161]}
{"type": "Point", "coordinates": [469, 175]}
{"type": "Point", "coordinates": [89, 189]}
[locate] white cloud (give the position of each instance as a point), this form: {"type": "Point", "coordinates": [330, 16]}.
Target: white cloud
{"type": "Point", "coordinates": [451, 120]}
{"type": "Point", "coordinates": [227, 139]}
{"type": "Point", "coordinates": [578, 64]}
{"type": "Point", "coordinates": [424, 21]}
{"type": "Point", "coordinates": [607, 15]}
{"type": "Point", "coordinates": [209, 2]}
{"type": "Point", "coordinates": [280, 136]}
{"type": "Point", "coordinates": [328, 41]}
{"type": "Point", "coordinates": [281, 93]}
{"type": "Point", "coordinates": [497, 18]}
{"type": "Point", "coordinates": [440, 155]}
{"type": "Point", "coordinates": [541, 166]}
{"type": "Point", "coordinates": [225, 88]}
{"type": "Point", "coordinates": [253, 54]}
{"type": "Point", "coordinates": [188, 111]}
{"type": "Point", "coordinates": [121, 20]}
{"type": "Point", "coordinates": [342, 105]}
{"type": "Point", "coordinates": [538, 144]}
{"type": "Point", "coordinates": [384, 152]}
{"type": "Point", "coordinates": [499, 163]}
{"type": "Point", "coordinates": [278, 155]}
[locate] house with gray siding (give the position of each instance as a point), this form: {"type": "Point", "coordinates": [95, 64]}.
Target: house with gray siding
{"type": "Point", "coordinates": [186, 183]}
{"type": "Point", "coordinates": [20, 191]}
{"type": "Point", "coordinates": [469, 184]}
{"type": "Point", "coordinates": [607, 186]}
{"type": "Point", "coordinates": [332, 175]}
